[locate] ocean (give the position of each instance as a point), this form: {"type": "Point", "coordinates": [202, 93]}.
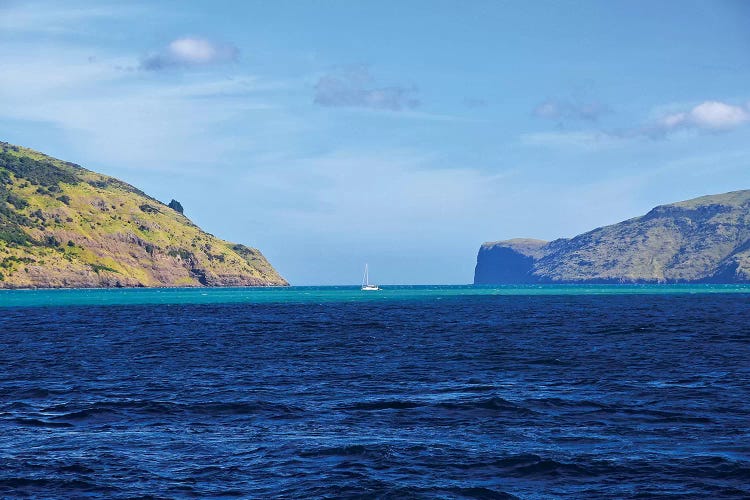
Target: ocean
{"type": "Point", "coordinates": [411, 392]}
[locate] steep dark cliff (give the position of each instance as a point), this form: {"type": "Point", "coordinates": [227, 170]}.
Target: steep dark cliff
{"type": "Point", "coordinates": [509, 261]}
{"type": "Point", "coordinates": [706, 239]}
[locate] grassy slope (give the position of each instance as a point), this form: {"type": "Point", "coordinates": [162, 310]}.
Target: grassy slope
{"type": "Point", "coordinates": [94, 230]}
{"type": "Point", "coordinates": [684, 241]}
{"type": "Point", "coordinates": [703, 239]}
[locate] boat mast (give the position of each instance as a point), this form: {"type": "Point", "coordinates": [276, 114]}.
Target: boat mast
{"type": "Point", "coordinates": [367, 278]}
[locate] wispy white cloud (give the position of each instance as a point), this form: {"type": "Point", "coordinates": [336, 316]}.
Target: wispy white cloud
{"type": "Point", "coordinates": [708, 115]}
{"type": "Point", "coordinates": [190, 51]}
{"type": "Point", "coordinates": [122, 119]}
{"type": "Point", "coordinates": [355, 87]}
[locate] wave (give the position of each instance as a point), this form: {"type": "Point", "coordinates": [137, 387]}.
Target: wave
{"type": "Point", "coordinates": [477, 492]}
{"type": "Point", "coordinates": [376, 451]}
{"type": "Point", "coordinates": [243, 408]}
{"type": "Point", "coordinates": [557, 403]}
{"type": "Point", "coordinates": [23, 393]}
{"type": "Point", "coordinates": [493, 404]}
{"type": "Point", "coordinates": [356, 486]}
{"type": "Point", "coordinates": [548, 467]}
{"type": "Point", "coordinates": [75, 469]}
{"type": "Point", "coordinates": [382, 405]}
{"type": "Point", "coordinates": [62, 487]}
{"type": "Point", "coordinates": [33, 422]}
{"type": "Point", "coordinates": [650, 415]}
{"type": "Point", "coordinates": [548, 362]}
{"type": "Point", "coordinates": [467, 388]}
{"type": "Point", "coordinates": [107, 410]}
{"type": "Point", "coordinates": [530, 465]}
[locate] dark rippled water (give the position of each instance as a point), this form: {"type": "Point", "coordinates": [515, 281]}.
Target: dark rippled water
{"type": "Point", "coordinates": [434, 396]}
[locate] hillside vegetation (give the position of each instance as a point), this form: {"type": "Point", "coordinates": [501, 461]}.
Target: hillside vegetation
{"type": "Point", "coordinates": [706, 239]}
{"type": "Point", "coordinates": [64, 226]}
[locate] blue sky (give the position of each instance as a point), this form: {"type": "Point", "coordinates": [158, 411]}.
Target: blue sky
{"type": "Point", "coordinates": [404, 134]}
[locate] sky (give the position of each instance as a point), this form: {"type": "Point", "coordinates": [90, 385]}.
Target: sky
{"type": "Point", "coordinates": [330, 134]}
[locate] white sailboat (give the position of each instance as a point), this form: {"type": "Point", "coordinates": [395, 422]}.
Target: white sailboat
{"type": "Point", "coordinates": [366, 282]}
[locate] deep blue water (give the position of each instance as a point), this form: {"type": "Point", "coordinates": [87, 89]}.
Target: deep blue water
{"type": "Point", "coordinates": [576, 394]}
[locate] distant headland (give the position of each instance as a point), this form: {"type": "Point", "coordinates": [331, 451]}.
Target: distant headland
{"type": "Point", "coordinates": [703, 240]}
{"type": "Point", "coordinates": [64, 226]}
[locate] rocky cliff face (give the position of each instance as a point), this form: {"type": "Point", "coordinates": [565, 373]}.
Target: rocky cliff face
{"type": "Point", "coordinates": [64, 226]}
{"type": "Point", "coordinates": [702, 240]}
{"type": "Point", "coordinates": [509, 261]}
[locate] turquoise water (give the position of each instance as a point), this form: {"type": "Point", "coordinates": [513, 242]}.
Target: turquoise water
{"type": "Point", "coordinates": [307, 295]}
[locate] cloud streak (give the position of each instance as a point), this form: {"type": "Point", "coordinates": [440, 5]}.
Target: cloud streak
{"type": "Point", "coordinates": [707, 117]}
{"type": "Point", "coordinates": [54, 18]}
{"type": "Point", "coordinates": [561, 110]}
{"type": "Point", "coordinates": [585, 140]}
{"type": "Point", "coordinates": [125, 121]}
{"type": "Point", "coordinates": [190, 52]}
{"type": "Point", "coordinates": [475, 102]}
{"type": "Point", "coordinates": [354, 88]}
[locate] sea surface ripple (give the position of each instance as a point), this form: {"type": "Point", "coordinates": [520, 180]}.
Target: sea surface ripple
{"type": "Point", "coordinates": [453, 396]}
